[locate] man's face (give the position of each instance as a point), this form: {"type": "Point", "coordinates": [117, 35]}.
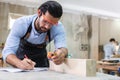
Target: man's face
{"type": "Point", "coordinates": [46, 21]}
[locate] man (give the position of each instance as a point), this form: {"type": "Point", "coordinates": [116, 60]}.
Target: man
{"type": "Point", "coordinates": [109, 48]}
{"type": "Point", "coordinates": [26, 44]}
{"type": "Point", "coordinates": [117, 48]}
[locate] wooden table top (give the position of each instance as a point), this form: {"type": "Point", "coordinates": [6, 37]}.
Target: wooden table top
{"type": "Point", "coordinates": [108, 65]}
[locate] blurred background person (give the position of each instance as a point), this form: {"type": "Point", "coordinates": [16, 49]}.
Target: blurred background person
{"type": "Point", "coordinates": [117, 48]}
{"type": "Point", "coordinates": [109, 48]}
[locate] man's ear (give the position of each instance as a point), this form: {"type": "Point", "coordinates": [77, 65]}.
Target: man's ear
{"type": "Point", "coordinates": [39, 12]}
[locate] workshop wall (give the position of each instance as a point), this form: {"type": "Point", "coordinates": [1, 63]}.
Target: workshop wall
{"type": "Point", "coordinates": [5, 9]}
{"type": "Point", "coordinates": [85, 33]}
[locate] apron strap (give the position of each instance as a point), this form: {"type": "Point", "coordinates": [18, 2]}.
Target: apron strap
{"type": "Point", "coordinates": [48, 34]}
{"type": "Point", "coordinates": [27, 34]}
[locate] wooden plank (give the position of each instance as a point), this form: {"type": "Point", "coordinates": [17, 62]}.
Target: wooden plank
{"type": "Point", "coordinates": [108, 67]}
{"type": "Point", "coordinates": [81, 67]}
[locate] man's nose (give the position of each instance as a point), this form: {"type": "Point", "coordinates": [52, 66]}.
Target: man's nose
{"type": "Point", "coordinates": [47, 26]}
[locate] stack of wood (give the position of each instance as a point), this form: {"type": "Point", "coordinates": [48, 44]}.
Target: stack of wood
{"type": "Point", "coordinates": [116, 56]}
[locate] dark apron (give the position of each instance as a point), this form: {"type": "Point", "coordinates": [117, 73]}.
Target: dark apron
{"type": "Point", "coordinates": [35, 52]}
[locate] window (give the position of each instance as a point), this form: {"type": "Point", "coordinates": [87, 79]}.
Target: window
{"type": "Point", "coordinates": [12, 18]}
{"type": "Point", "coordinates": [11, 22]}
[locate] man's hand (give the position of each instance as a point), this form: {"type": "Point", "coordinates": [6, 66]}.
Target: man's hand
{"type": "Point", "coordinates": [59, 55]}
{"type": "Point", "coordinates": [25, 64]}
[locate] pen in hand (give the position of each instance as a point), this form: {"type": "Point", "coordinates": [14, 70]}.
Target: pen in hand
{"type": "Point", "coordinates": [29, 61]}
{"type": "Point", "coordinates": [25, 56]}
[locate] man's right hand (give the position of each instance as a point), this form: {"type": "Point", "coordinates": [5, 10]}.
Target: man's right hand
{"type": "Point", "coordinates": [25, 64]}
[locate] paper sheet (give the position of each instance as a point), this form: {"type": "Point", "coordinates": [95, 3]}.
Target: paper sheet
{"type": "Point", "coordinates": [20, 70]}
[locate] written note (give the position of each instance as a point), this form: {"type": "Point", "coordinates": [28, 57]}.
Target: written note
{"type": "Point", "coordinates": [20, 70]}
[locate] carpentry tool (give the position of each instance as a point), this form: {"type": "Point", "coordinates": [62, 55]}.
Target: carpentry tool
{"type": "Point", "coordinates": [50, 54]}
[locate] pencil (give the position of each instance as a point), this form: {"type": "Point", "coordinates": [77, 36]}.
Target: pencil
{"type": "Point", "coordinates": [25, 56]}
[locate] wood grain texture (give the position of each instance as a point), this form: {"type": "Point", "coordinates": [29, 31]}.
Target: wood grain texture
{"type": "Point", "coordinates": [81, 67]}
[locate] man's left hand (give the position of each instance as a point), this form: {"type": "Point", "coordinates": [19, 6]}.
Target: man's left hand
{"type": "Point", "coordinates": [59, 56]}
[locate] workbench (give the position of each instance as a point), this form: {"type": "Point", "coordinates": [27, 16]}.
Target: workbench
{"type": "Point", "coordinates": [109, 68]}
{"type": "Point", "coordinates": [51, 75]}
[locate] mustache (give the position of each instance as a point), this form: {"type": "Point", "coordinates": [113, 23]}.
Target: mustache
{"type": "Point", "coordinates": [41, 29]}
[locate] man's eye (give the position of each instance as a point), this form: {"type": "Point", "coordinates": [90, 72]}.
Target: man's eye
{"type": "Point", "coordinates": [45, 21]}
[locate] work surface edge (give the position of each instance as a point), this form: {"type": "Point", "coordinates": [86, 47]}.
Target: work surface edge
{"type": "Point", "coordinates": [51, 75]}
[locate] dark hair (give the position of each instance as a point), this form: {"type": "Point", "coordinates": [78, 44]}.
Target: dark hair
{"type": "Point", "coordinates": [112, 39]}
{"type": "Point", "coordinates": [53, 7]}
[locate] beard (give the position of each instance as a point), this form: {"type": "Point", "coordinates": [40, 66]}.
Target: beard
{"type": "Point", "coordinates": [41, 29]}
